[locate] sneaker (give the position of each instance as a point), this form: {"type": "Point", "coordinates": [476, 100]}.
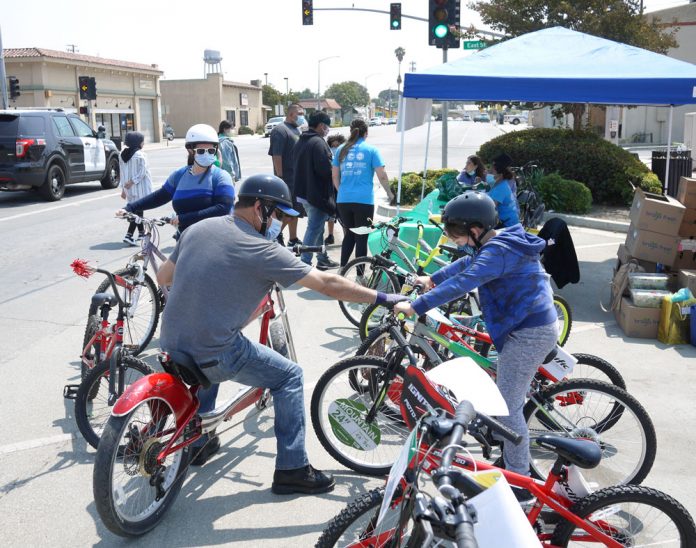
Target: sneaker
{"type": "Point", "coordinates": [202, 454]}
{"type": "Point", "coordinates": [329, 240]}
{"type": "Point", "coordinates": [141, 237]}
{"type": "Point", "coordinates": [307, 480]}
{"type": "Point", "coordinates": [280, 239]}
{"type": "Point", "coordinates": [128, 239]}
{"type": "Point", "coordinates": [294, 242]}
{"type": "Point", "coordinates": [326, 265]}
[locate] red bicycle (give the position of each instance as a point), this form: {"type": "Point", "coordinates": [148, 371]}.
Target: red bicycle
{"type": "Point", "coordinates": [627, 515]}
{"type": "Point", "coordinates": [145, 448]}
{"type": "Point", "coordinates": [106, 366]}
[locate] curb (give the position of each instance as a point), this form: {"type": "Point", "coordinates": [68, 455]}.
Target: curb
{"type": "Point", "coordinates": [571, 220]}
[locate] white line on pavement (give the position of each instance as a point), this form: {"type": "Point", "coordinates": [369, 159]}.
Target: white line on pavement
{"type": "Point", "coordinates": [53, 208]}
{"type": "Point", "coordinates": [590, 246]}
{"type": "Point", "coordinates": [32, 444]}
{"type": "Point", "coordinates": [591, 326]}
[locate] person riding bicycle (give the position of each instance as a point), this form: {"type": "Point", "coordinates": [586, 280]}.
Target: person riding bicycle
{"type": "Point", "coordinates": [238, 257]}
{"type": "Point", "coordinates": [197, 191]}
{"type": "Point", "coordinates": [516, 301]}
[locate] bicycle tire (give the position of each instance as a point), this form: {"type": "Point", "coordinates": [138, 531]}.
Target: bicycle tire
{"type": "Point", "coordinates": [370, 319]}
{"type": "Point", "coordinates": [620, 464]}
{"type": "Point", "coordinates": [93, 324]}
{"type": "Point", "coordinates": [387, 284]}
{"type": "Point", "coordinates": [610, 373]}
{"type": "Point", "coordinates": [387, 431]}
{"type": "Point", "coordinates": [118, 457]}
{"type": "Point", "coordinates": [278, 339]}
{"type": "Point", "coordinates": [605, 504]}
{"type": "Point", "coordinates": [564, 328]}
{"type": "Point", "coordinates": [138, 331]}
{"type": "Point", "coordinates": [90, 425]}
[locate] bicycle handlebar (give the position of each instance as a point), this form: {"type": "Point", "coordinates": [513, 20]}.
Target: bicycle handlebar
{"type": "Point", "coordinates": [299, 249]}
{"type": "Point", "coordinates": [161, 221]}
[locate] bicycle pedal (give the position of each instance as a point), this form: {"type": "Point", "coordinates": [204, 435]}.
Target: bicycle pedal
{"type": "Point", "coordinates": [70, 391]}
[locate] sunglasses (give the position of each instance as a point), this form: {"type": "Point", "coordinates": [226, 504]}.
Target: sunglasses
{"type": "Point", "coordinates": [204, 150]}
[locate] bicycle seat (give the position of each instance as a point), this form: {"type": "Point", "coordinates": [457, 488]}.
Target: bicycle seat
{"type": "Point", "coordinates": [99, 299]}
{"type": "Point", "coordinates": [551, 356]}
{"type": "Point", "coordinates": [451, 250]}
{"type": "Point", "coordinates": [582, 453]}
{"type": "Point", "coordinates": [188, 369]}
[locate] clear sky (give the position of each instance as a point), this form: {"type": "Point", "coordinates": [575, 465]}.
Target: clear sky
{"type": "Point", "coordinates": [253, 36]}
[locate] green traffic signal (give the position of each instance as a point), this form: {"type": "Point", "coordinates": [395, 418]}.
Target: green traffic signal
{"type": "Point", "coordinates": [441, 31]}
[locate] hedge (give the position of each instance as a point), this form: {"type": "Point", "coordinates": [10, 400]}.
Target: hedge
{"type": "Point", "coordinates": [245, 130]}
{"type": "Point", "coordinates": [583, 156]}
{"type": "Point", "coordinates": [411, 183]}
{"type": "Point", "coordinates": [564, 195]}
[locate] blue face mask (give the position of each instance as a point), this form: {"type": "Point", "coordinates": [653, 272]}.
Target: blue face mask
{"type": "Point", "coordinates": [204, 160]}
{"type": "Point", "coordinates": [273, 230]}
{"type": "Point", "coordinates": [490, 179]}
{"type": "Point", "coordinates": [471, 173]}
{"type": "Point", "coordinates": [467, 249]}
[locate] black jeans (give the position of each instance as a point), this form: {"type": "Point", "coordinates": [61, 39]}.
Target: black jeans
{"type": "Point", "coordinates": [354, 215]}
{"type": "Point", "coordinates": [133, 224]}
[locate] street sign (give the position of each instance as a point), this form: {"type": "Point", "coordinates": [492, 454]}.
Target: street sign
{"type": "Point", "coordinates": [474, 44]}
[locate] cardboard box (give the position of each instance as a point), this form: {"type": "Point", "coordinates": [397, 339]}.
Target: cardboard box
{"type": "Point", "coordinates": [687, 278]}
{"type": "Point", "coordinates": [624, 256]}
{"type": "Point", "coordinates": [687, 192]}
{"type": "Point", "coordinates": [684, 260]}
{"type": "Point", "coordinates": [651, 246]}
{"type": "Point", "coordinates": [656, 213]}
{"type": "Point", "coordinates": [687, 229]}
{"type": "Point", "coordinates": [638, 322]}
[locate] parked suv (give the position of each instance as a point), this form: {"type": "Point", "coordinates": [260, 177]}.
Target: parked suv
{"type": "Point", "coordinates": [47, 149]}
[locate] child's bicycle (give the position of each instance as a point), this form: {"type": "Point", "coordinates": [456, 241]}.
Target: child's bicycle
{"type": "Point", "coordinates": [106, 366]}
{"type": "Point", "coordinates": [368, 389]}
{"type": "Point", "coordinates": [138, 288]}
{"type": "Point", "coordinates": [144, 453]}
{"type": "Point", "coordinates": [407, 513]}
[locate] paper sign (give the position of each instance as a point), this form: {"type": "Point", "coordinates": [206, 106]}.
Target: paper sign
{"type": "Point", "coordinates": [561, 366]}
{"type": "Point", "coordinates": [467, 381]}
{"type": "Point", "coordinates": [397, 471]}
{"type": "Point", "coordinates": [439, 317]}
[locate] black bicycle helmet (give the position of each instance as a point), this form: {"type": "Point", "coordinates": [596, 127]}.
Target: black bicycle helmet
{"type": "Point", "coordinates": [270, 188]}
{"type": "Point", "coordinates": [469, 210]}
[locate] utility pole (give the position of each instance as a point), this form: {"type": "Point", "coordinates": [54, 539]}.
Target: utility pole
{"type": "Point", "coordinates": [413, 66]}
{"type": "Point", "coordinates": [445, 111]}
{"type": "Point", "coordinates": [3, 80]}
{"type": "Point", "coordinates": [72, 48]}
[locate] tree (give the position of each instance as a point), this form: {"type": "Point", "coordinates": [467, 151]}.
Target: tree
{"type": "Point", "coordinates": [271, 96]}
{"type": "Point", "coordinates": [348, 94]}
{"type": "Point", "coordinates": [307, 93]}
{"type": "Point", "coordinates": [618, 20]}
{"type": "Point", "coordinates": [399, 52]}
{"type": "Point", "coordinates": [384, 95]}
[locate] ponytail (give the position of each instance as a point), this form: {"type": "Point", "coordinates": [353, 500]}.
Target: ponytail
{"type": "Point", "coordinates": [358, 129]}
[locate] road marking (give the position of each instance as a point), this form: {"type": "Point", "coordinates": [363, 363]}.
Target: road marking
{"type": "Point", "coordinates": [592, 326]}
{"type": "Point", "coordinates": [590, 246]}
{"type": "Point", "coordinates": [32, 444]}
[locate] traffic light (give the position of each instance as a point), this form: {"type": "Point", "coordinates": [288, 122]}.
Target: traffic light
{"type": "Point", "coordinates": [307, 12]}
{"type": "Point", "coordinates": [83, 83]}
{"type": "Point", "coordinates": [443, 17]}
{"type": "Point", "coordinates": [14, 88]}
{"type": "Point", "coordinates": [92, 89]}
{"type": "Point", "coordinates": [395, 16]}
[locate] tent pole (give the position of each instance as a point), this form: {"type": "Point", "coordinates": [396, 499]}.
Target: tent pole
{"type": "Point", "coordinates": [425, 163]}
{"type": "Point", "coordinates": [402, 116]}
{"type": "Point", "coordinates": [445, 112]}
{"type": "Point", "coordinates": [669, 149]}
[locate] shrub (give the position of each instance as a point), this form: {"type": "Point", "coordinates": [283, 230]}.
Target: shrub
{"type": "Point", "coordinates": [411, 184]}
{"type": "Point", "coordinates": [245, 130]}
{"type": "Point", "coordinates": [603, 167]}
{"type": "Point", "coordinates": [564, 195]}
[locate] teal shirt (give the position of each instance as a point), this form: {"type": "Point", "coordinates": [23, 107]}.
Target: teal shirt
{"type": "Point", "coordinates": [357, 173]}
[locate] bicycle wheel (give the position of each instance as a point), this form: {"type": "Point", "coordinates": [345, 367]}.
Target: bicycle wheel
{"type": "Point", "coordinates": [142, 317]}
{"type": "Point", "coordinates": [594, 367]}
{"type": "Point", "coordinates": [92, 408]}
{"type": "Point", "coordinates": [371, 319]}
{"type": "Point", "coordinates": [366, 272]}
{"type": "Point", "coordinates": [356, 524]}
{"type": "Point", "coordinates": [583, 408]}
{"type": "Point", "coordinates": [632, 515]}
{"type": "Point", "coordinates": [278, 339]}
{"type": "Point", "coordinates": [93, 324]}
{"type": "Point", "coordinates": [565, 318]}
{"type": "Point", "coordinates": [126, 473]}
{"type": "Point", "coordinates": [340, 407]}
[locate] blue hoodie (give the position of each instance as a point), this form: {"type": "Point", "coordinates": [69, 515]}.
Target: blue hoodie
{"type": "Point", "coordinates": [513, 287]}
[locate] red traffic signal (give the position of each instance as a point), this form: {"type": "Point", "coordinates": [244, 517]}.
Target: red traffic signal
{"type": "Point", "coordinates": [307, 12]}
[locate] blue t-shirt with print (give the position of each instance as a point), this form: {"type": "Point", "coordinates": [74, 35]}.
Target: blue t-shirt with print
{"type": "Point", "coordinates": [506, 203]}
{"type": "Point", "coordinates": [357, 173]}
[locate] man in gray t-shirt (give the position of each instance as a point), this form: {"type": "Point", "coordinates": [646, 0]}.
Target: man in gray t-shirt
{"type": "Point", "coordinates": [219, 272]}
{"type": "Point", "coordinates": [283, 139]}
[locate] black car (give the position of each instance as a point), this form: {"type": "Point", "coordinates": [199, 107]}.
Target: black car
{"type": "Point", "coordinates": [47, 149]}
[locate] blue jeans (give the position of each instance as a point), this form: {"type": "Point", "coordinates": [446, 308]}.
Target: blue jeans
{"type": "Point", "coordinates": [254, 364]}
{"type": "Point", "coordinates": [316, 219]}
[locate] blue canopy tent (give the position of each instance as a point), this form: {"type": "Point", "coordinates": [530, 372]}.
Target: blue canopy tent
{"type": "Point", "coordinates": [554, 65]}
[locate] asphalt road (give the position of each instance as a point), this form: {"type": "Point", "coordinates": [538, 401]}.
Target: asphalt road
{"type": "Point", "coordinates": [46, 473]}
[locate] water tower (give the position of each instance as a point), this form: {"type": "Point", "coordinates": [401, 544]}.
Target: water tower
{"type": "Point", "coordinates": [212, 62]}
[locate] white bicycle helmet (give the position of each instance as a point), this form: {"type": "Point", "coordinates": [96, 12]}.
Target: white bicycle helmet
{"type": "Point", "coordinates": [201, 133]}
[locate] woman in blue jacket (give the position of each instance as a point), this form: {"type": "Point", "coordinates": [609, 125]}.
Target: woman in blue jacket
{"type": "Point", "coordinates": [516, 301]}
{"type": "Point", "coordinates": [474, 172]}
{"type": "Point", "coordinates": [503, 191]}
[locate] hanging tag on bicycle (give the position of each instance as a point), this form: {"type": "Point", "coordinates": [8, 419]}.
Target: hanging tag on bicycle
{"type": "Point", "coordinates": [397, 471]}
{"type": "Point", "coordinates": [560, 367]}
{"type": "Point", "coordinates": [349, 426]}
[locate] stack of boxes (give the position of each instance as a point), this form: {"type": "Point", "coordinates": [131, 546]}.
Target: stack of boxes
{"type": "Point", "coordinates": [654, 239]}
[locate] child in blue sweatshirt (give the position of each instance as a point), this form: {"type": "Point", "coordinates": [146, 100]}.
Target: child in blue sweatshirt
{"type": "Point", "coordinates": [516, 301]}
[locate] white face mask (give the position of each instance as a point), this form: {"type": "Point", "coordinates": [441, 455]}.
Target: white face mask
{"type": "Point", "coordinates": [204, 160]}
{"type": "Point", "coordinates": [273, 230]}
